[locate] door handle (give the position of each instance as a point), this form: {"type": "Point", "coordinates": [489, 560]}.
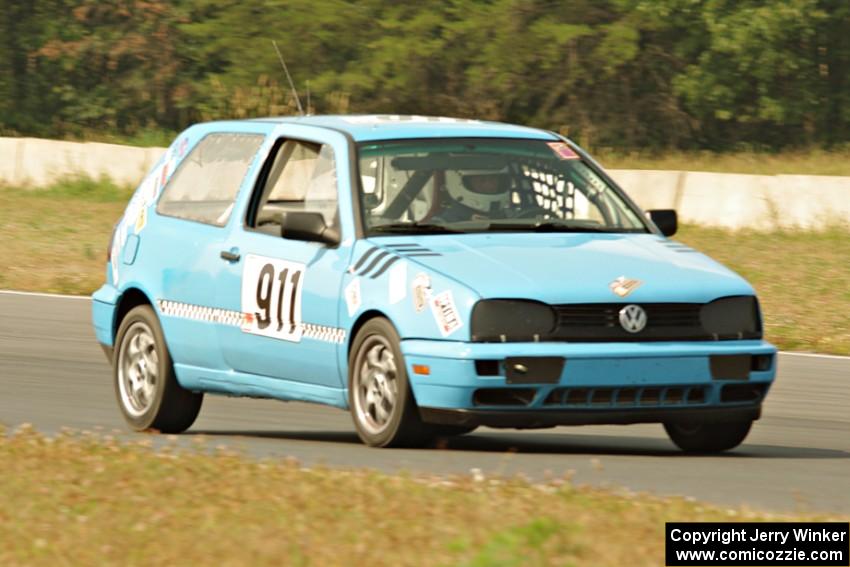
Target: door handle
{"type": "Point", "coordinates": [231, 255]}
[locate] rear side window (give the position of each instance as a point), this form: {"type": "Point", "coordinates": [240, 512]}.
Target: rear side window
{"type": "Point", "coordinates": [205, 185]}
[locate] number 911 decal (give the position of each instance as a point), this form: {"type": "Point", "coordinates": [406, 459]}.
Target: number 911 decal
{"type": "Point", "coordinates": [271, 297]}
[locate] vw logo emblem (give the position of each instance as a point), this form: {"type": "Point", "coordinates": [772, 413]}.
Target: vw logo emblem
{"type": "Point", "coordinates": [632, 318]}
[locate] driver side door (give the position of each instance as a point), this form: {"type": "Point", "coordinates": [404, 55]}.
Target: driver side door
{"type": "Point", "coordinates": [286, 290]}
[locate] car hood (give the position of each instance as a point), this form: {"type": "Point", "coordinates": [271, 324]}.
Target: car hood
{"type": "Point", "coordinates": [570, 267]}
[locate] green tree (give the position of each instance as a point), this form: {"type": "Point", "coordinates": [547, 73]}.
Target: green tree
{"type": "Point", "coordinates": [119, 66]}
{"type": "Point", "coordinates": [632, 74]}
{"type": "Point", "coordinates": [757, 78]}
{"type": "Point", "coordinates": [26, 102]}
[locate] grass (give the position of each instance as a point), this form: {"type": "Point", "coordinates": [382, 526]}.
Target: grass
{"type": "Point", "coordinates": [55, 240]}
{"type": "Point", "coordinates": [801, 278]}
{"type": "Point", "coordinates": [803, 162]}
{"type": "Point", "coordinates": [79, 499]}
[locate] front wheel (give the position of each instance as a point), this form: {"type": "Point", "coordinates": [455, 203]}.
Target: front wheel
{"type": "Point", "coordinates": [379, 394]}
{"type": "Point", "coordinates": [708, 437]}
{"type": "Point", "coordinates": [145, 385]}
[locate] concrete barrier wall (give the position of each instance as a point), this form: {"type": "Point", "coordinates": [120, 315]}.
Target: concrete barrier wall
{"type": "Point", "coordinates": [33, 162]}
{"type": "Point", "coordinates": [734, 200]}
{"type": "Point", "coordinates": [729, 200]}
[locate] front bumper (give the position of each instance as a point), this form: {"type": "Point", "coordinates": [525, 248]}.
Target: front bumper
{"type": "Point", "coordinates": [599, 383]}
{"type": "Point", "coordinates": [533, 419]}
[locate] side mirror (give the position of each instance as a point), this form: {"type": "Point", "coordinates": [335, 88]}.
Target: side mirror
{"type": "Point", "coordinates": [666, 220]}
{"type": "Point", "coordinates": [309, 226]}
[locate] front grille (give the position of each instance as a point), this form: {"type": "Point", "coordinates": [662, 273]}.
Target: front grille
{"type": "Point", "coordinates": [601, 322]}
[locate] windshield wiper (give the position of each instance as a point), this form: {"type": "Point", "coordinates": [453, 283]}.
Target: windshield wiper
{"type": "Point", "coordinates": [547, 226]}
{"type": "Point", "coordinates": [414, 227]}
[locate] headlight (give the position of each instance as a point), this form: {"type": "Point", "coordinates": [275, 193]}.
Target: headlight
{"type": "Point", "coordinates": [503, 320]}
{"type": "Point", "coordinates": [732, 318]}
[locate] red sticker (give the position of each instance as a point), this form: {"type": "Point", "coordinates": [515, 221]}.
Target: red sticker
{"type": "Point", "coordinates": [164, 175]}
{"type": "Point", "coordinates": [563, 151]}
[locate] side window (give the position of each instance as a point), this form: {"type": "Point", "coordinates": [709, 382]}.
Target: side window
{"type": "Point", "coordinates": [302, 177]}
{"type": "Point", "coordinates": [382, 184]}
{"type": "Point", "coordinates": [205, 185]}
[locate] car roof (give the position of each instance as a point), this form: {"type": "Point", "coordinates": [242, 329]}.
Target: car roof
{"type": "Point", "coordinates": [369, 127]}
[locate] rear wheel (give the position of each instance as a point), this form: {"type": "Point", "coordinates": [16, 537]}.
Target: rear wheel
{"type": "Point", "coordinates": [379, 394]}
{"type": "Point", "coordinates": [708, 437]}
{"type": "Point", "coordinates": [147, 390]}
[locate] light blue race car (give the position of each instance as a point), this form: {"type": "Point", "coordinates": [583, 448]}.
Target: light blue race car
{"type": "Point", "coordinates": [431, 275]}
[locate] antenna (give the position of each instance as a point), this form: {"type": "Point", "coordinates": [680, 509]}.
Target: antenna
{"type": "Point", "coordinates": [289, 78]}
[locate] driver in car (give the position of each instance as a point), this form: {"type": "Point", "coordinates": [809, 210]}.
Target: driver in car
{"type": "Point", "coordinates": [474, 196]}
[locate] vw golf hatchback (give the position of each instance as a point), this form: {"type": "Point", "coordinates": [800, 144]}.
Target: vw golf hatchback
{"type": "Point", "coordinates": [430, 275]}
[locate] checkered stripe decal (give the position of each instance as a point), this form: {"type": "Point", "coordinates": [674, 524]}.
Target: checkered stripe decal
{"type": "Point", "coordinates": [200, 313]}
{"type": "Point", "coordinates": [322, 333]}
{"type": "Point", "coordinates": [234, 319]}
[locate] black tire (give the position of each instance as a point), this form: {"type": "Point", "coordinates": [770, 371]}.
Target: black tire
{"type": "Point", "coordinates": [402, 427]}
{"type": "Point", "coordinates": [708, 437]}
{"type": "Point", "coordinates": [160, 403]}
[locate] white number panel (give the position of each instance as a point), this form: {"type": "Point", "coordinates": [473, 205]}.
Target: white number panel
{"type": "Point", "coordinates": [271, 297]}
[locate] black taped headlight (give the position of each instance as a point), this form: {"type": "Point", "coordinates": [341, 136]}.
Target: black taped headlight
{"type": "Point", "coordinates": [732, 318]}
{"type": "Point", "coordinates": [504, 320]}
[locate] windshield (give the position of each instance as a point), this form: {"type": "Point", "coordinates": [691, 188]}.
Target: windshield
{"type": "Point", "coordinates": [477, 185]}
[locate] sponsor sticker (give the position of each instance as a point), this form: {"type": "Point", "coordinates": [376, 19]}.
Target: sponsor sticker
{"type": "Point", "coordinates": [353, 299]}
{"type": "Point", "coordinates": [563, 151]}
{"type": "Point", "coordinates": [247, 321]}
{"type": "Point", "coordinates": [184, 145]}
{"type": "Point", "coordinates": [445, 313]}
{"type": "Point", "coordinates": [397, 282]}
{"type": "Point", "coordinates": [623, 286]}
{"type": "Point", "coordinates": [135, 215]}
{"type": "Point", "coordinates": [141, 219]}
{"type": "Point", "coordinates": [163, 177]}
{"type": "Point", "coordinates": [421, 292]}
{"type": "Point", "coordinates": [116, 249]}
{"type": "Point", "coordinates": [148, 190]}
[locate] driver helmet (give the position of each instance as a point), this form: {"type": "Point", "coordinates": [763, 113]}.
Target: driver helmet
{"type": "Point", "coordinates": [481, 191]}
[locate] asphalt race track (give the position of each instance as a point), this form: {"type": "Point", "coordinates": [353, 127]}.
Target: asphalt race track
{"type": "Point", "coordinates": [797, 458]}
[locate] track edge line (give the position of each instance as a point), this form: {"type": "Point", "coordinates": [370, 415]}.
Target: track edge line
{"type": "Point", "coordinates": [42, 294]}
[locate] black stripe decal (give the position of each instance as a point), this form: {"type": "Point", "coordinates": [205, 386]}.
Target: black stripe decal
{"type": "Point", "coordinates": [409, 245]}
{"type": "Point", "coordinates": [363, 258]}
{"type": "Point", "coordinates": [410, 249]}
{"type": "Point", "coordinates": [385, 267]}
{"type": "Point", "coordinates": [422, 254]}
{"type": "Point", "coordinates": [374, 263]}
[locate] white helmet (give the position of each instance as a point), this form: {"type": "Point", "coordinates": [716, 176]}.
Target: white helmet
{"type": "Point", "coordinates": [482, 191]}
